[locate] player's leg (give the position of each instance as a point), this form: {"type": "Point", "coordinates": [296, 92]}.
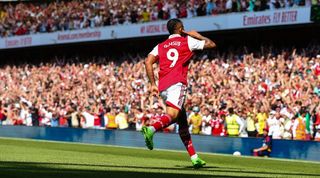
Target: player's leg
{"type": "Point", "coordinates": [164, 121]}
{"type": "Point", "coordinates": [186, 139]}
{"type": "Point", "coordinates": [173, 97]}
{"type": "Point", "coordinates": [264, 153]}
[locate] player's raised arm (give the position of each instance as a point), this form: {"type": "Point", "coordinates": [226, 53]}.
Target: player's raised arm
{"type": "Point", "coordinates": [208, 43]}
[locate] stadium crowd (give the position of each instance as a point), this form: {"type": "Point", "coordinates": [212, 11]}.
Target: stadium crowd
{"type": "Point", "coordinates": [228, 95]}
{"type": "Point", "coordinates": [41, 17]}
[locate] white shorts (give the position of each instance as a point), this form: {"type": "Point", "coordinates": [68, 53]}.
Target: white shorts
{"type": "Point", "coordinates": [175, 95]}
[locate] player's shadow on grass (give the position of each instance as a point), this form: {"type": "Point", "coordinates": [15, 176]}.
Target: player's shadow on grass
{"type": "Point", "coordinates": [253, 173]}
{"type": "Point", "coordinates": [40, 170]}
{"type": "Point", "coordinates": [32, 169]}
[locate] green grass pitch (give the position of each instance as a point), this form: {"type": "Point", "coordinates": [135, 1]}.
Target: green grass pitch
{"type": "Point", "coordinates": [28, 158]}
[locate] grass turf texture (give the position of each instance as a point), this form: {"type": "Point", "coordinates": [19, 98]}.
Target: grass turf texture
{"type": "Point", "coordinates": [29, 158]}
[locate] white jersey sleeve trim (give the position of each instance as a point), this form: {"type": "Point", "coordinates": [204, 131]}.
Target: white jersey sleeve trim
{"type": "Point", "coordinates": [195, 44]}
{"type": "Point", "coordinates": [155, 51]}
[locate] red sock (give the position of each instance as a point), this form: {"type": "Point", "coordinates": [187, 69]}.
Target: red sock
{"type": "Point", "coordinates": [186, 139]}
{"type": "Point", "coordinates": [184, 133]}
{"type": "Point", "coordinates": [163, 122]}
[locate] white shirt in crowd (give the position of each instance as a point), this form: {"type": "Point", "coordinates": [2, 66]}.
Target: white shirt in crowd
{"type": "Point", "coordinates": [23, 115]}
{"type": "Point", "coordinates": [47, 117]}
{"type": "Point", "coordinates": [276, 127]}
{"type": "Point", "coordinates": [173, 13]}
{"type": "Point", "coordinates": [206, 129]}
{"type": "Point", "coordinates": [287, 129]}
{"type": "Point", "coordinates": [229, 4]}
{"type": "Point", "coordinates": [243, 129]}
{"type": "Point", "coordinates": [89, 119]}
{"type": "Point", "coordinates": [190, 12]}
{"type": "Point", "coordinates": [284, 111]}
{"type": "Point", "coordinates": [29, 120]}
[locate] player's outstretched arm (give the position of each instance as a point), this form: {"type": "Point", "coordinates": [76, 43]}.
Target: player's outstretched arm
{"type": "Point", "coordinates": [208, 43]}
{"type": "Point", "coordinates": [151, 59]}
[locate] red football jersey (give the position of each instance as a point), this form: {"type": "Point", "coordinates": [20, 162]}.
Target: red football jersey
{"type": "Point", "coordinates": [217, 126]}
{"type": "Point", "coordinates": [174, 56]}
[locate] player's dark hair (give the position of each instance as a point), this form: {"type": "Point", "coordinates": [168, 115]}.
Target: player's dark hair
{"type": "Point", "coordinates": [172, 24]}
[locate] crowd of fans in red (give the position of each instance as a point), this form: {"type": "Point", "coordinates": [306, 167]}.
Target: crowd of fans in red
{"type": "Point", "coordinates": [279, 91]}
{"type": "Point", "coordinates": [20, 18]}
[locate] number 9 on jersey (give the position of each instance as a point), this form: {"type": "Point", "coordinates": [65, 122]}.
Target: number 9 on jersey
{"type": "Point", "coordinates": [173, 56]}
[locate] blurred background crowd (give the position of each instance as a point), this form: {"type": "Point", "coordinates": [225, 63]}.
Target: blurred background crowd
{"type": "Point", "coordinates": [21, 18]}
{"type": "Point", "coordinates": [229, 94]}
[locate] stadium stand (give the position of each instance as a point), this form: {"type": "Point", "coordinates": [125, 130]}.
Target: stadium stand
{"type": "Point", "coordinates": [21, 18]}
{"type": "Point", "coordinates": [275, 90]}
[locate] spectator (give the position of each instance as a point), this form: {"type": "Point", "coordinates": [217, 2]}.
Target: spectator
{"type": "Point", "coordinates": [229, 5]}
{"type": "Point", "coordinates": [75, 118]}
{"type": "Point", "coordinates": [154, 14]}
{"type": "Point", "coordinates": [234, 6]}
{"type": "Point", "coordinates": [261, 118]}
{"type": "Point", "coordinates": [201, 9]}
{"type": "Point", "coordinates": [210, 7]}
{"type": "Point", "coordinates": [244, 5]}
{"type": "Point", "coordinates": [140, 119]}
{"type": "Point", "coordinates": [46, 116]}
{"type": "Point", "coordinates": [87, 116]}
{"type": "Point", "coordinates": [277, 4]}
{"type": "Point", "coordinates": [130, 111]}
{"type": "Point", "coordinates": [251, 5]}
{"type": "Point", "coordinates": [3, 114]}
{"type": "Point", "coordinates": [173, 12]}
{"type": "Point", "coordinates": [288, 123]}
{"type": "Point", "coordinates": [276, 125]}
{"type": "Point", "coordinates": [190, 11]}
{"type": "Point", "coordinates": [234, 124]}
{"type": "Point", "coordinates": [183, 13]}
{"type": "Point", "coordinates": [145, 15]}
{"type": "Point", "coordinates": [217, 125]}
{"type": "Point", "coordinates": [257, 5]}
{"type": "Point", "coordinates": [55, 120]}
{"type": "Point", "coordinates": [317, 135]}
{"type": "Point", "coordinates": [243, 132]}
{"type": "Point", "coordinates": [299, 128]}
{"type": "Point", "coordinates": [251, 128]}
{"type": "Point", "coordinates": [121, 119]}
{"type": "Point", "coordinates": [195, 120]}
{"type": "Point", "coordinates": [97, 121]}
{"type": "Point", "coordinates": [110, 120]}
{"type": "Point", "coordinates": [206, 129]}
